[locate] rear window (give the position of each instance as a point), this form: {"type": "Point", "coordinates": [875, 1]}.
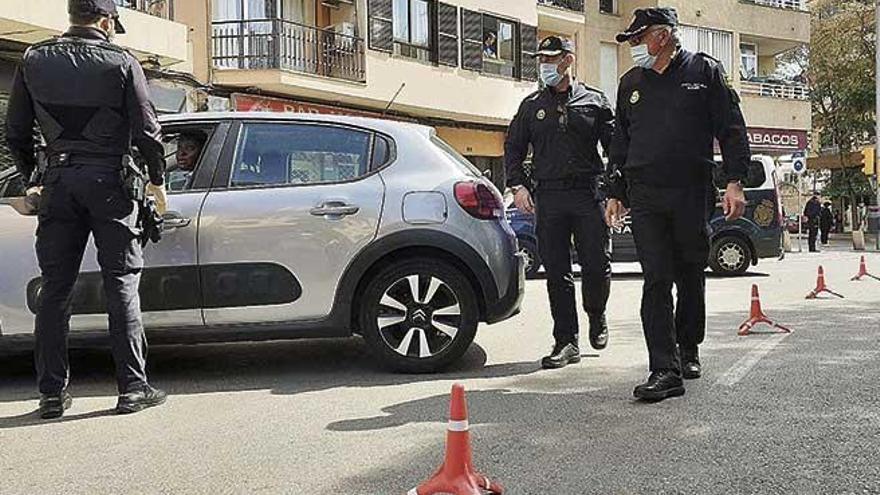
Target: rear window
{"type": "Point", "coordinates": [463, 163]}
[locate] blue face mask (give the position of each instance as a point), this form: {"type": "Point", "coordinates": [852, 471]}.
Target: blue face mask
{"type": "Point", "coordinates": [642, 57]}
{"type": "Point", "coordinates": [550, 75]}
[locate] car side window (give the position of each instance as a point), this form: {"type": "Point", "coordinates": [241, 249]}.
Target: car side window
{"type": "Point", "coordinates": [289, 154]}
{"type": "Point", "coordinates": [184, 148]}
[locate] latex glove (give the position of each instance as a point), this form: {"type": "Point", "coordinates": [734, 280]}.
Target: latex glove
{"type": "Point", "coordinates": [734, 202]}
{"type": "Point", "coordinates": [614, 213]}
{"type": "Point", "coordinates": [158, 194]}
{"type": "Point", "coordinates": [523, 201]}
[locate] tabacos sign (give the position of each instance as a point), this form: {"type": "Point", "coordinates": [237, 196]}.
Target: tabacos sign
{"type": "Point", "coordinates": [777, 139]}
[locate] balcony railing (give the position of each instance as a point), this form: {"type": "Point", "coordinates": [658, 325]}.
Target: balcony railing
{"type": "Point", "coordinates": [574, 5]}
{"type": "Point", "coordinates": [781, 4]}
{"type": "Point", "coordinates": [158, 8]}
{"type": "Point", "coordinates": [773, 90]}
{"type": "Point", "coordinates": [286, 45]}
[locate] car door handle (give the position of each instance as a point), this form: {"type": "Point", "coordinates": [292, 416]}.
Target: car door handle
{"type": "Point", "coordinates": [334, 209]}
{"type": "Point", "coordinates": [173, 220]}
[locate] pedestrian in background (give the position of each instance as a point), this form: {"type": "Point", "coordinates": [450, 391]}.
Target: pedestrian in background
{"type": "Point", "coordinates": [671, 108]}
{"type": "Point", "coordinates": [812, 211]}
{"type": "Point", "coordinates": [826, 222]}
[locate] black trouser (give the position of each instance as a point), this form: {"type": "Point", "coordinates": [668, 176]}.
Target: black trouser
{"type": "Point", "coordinates": [561, 215]}
{"type": "Point", "coordinates": [826, 232]}
{"type": "Point", "coordinates": [670, 227]}
{"type": "Point", "coordinates": [78, 201]}
{"type": "Point", "coordinates": [813, 233]}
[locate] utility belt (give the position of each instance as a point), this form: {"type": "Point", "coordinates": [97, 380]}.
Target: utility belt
{"type": "Point", "coordinates": [67, 159]}
{"type": "Point", "coordinates": [567, 183]}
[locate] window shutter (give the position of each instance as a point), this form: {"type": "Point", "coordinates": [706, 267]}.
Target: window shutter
{"type": "Point", "coordinates": [471, 40]}
{"type": "Point", "coordinates": [381, 27]}
{"type": "Point", "coordinates": [529, 44]}
{"type": "Point", "coordinates": [447, 34]}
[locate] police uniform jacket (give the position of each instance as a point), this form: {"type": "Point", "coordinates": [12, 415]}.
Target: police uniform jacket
{"type": "Point", "coordinates": [90, 99]}
{"type": "Point", "coordinates": [667, 124]}
{"type": "Point", "coordinates": [563, 130]}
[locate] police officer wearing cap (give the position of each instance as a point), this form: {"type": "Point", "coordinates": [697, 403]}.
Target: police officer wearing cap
{"type": "Point", "coordinates": [89, 98]}
{"type": "Point", "coordinates": [563, 123]}
{"type": "Point", "coordinates": [671, 107]}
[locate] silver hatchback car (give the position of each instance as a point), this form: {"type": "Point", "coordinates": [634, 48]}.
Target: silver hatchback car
{"type": "Point", "coordinates": [293, 226]}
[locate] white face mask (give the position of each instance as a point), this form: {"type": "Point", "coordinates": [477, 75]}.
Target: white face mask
{"type": "Point", "coordinates": [550, 75]}
{"type": "Point", "coordinates": [642, 57]}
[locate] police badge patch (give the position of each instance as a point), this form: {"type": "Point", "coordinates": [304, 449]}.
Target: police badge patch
{"type": "Point", "coordinates": [541, 114]}
{"type": "Point", "coordinates": [635, 97]}
{"type": "Point", "coordinates": [764, 213]}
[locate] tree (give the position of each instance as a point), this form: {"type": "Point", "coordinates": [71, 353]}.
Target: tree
{"type": "Point", "coordinates": [841, 76]}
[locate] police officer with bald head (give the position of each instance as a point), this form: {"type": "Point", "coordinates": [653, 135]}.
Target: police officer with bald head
{"type": "Point", "coordinates": [89, 99]}
{"type": "Point", "coordinates": [671, 107]}
{"type": "Point", "coordinates": [563, 123]}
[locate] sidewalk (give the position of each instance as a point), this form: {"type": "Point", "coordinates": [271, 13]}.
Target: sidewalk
{"type": "Point", "coordinates": [837, 243]}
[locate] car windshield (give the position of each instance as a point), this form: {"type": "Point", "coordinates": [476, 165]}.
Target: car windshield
{"type": "Point", "coordinates": [466, 166]}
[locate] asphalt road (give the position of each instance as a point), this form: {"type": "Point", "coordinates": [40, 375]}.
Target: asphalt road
{"type": "Point", "coordinates": [794, 413]}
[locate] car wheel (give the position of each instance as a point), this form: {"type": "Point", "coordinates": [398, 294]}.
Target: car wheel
{"type": "Point", "coordinates": [418, 316]}
{"type": "Point", "coordinates": [533, 259]}
{"type": "Point", "coordinates": [730, 256]}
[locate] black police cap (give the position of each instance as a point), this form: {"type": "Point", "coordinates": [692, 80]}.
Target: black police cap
{"type": "Point", "coordinates": [96, 7]}
{"type": "Point", "coordinates": [552, 46]}
{"type": "Point", "coordinates": [645, 18]}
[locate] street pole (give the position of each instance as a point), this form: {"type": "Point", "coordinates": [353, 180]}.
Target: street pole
{"type": "Point", "coordinates": [877, 114]}
{"type": "Point", "coordinates": [800, 212]}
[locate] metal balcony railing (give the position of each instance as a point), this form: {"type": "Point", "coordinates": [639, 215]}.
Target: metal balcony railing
{"type": "Point", "coordinates": [282, 44]}
{"type": "Point", "coordinates": [781, 4]}
{"type": "Point", "coordinates": [158, 8]}
{"type": "Point", "coordinates": [772, 90]}
{"type": "Point", "coordinates": [574, 5]}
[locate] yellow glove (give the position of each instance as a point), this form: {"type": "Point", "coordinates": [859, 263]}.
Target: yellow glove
{"type": "Point", "coordinates": [158, 194]}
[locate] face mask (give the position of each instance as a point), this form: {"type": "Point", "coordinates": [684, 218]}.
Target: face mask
{"type": "Point", "coordinates": [642, 57]}
{"type": "Point", "coordinates": [550, 75]}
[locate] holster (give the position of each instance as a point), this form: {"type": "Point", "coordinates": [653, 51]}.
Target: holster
{"type": "Point", "coordinates": [134, 183]}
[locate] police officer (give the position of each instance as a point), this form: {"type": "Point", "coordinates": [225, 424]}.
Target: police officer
{"type": "Point", "coordinates": [563, 123]}
{"type": "Point", "coordinates": [670, 109]}
{"type": "Point", "coordinates": [89, 98]}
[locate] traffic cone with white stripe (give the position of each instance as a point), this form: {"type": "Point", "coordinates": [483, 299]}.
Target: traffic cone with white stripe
{"type": "Point", "coordinates": [821, 287]}
{"type": "Point", "coordinates": [757, 316]}
{"type": "Point", "coordinates": [863, 271]}
{"type": "Point", "coordinates": [457, 475]}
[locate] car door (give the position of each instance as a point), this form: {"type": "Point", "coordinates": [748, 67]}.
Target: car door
{"type": "Point", "coordinates": [301, 199]}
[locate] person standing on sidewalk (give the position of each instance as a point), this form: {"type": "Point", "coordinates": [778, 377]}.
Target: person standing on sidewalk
{"type": "Point", "coordinates": [563, 123]}
{"type": "Point", "coordinates": [813, 210]}
{"type": "Point", "coordinates": [826, 222]}
{"type": "Point", "coordinates": [670, 109]}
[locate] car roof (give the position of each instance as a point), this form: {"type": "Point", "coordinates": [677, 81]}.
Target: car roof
{"type": "Point", "coordinates": [381, 125]}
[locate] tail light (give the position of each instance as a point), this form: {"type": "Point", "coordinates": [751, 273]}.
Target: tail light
{"type": "Point", "coordinates": [479, 200]}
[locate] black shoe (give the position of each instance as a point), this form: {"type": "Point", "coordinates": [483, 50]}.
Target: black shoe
{"type": "Point", "coordinates": [562, 355]}
{"type": "Point", "coordinates": [598, 331]}
{"type": "Point", "coordinates": [140, 399]}
{"type": "Point", "coordinates": [660, 385]}
{"type": "Point", "coordinates": [53, 406]}
{"type": "Point", "coordinates": [691, 369]}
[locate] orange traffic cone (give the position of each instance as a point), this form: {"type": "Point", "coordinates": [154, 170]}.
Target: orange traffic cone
{"type": "Point", "coordinates": [821, 287]}
{"type": "Point", "coordinates": [457, 476]}
{"type": "Point", "coordinates": [757, 316]}
{"type": "Point", "coordinates": [863, 271]}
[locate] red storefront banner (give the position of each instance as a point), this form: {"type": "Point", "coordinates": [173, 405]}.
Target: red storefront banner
{"type": "Point", "coordinates": [251, 103]}
{"type": "Point", "coordinates": [779, 140]}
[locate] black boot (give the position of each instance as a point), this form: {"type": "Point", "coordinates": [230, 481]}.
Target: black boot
{"type": "Point", "coordinates": [660, 385]}
{"type": "Point", "coordinates": [598, 331]}
{"type": "Point", "coordinates": [140, 399]}
{"type": "Point", "coordinates": [53, 406]}
{"type": "Point", "coordinates": [691, 369]}
{"type": "Point", "coordinates": [562, 355]}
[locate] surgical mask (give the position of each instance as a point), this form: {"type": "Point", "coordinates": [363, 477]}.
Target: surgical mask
{"type": "Point", "coordinates": [642, 57]}
{"type": "Point", "coordinates": [550, 75]}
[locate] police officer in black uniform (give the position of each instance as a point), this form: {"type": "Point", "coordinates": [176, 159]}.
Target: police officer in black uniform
{"type": "Point", "coordinates": [563, 123]}
{"type": "Point", "coordinates": [670, 109]}
{"type": "Point", "coordinates": [89, 98]}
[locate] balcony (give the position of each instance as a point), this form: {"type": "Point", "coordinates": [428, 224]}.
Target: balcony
{"type": "Point", "coordinates": [572, 5]}
{"type": "Point", "coordinates": [800, 5]}
{"type": "Point", "coordinates": [776, 90]}
{"type": "Point", "coordinates": [158, 8]}
{"type": "Point", "coordinates": [284, 45]}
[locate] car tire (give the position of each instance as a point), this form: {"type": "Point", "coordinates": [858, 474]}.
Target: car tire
{"type": "Point", "coordinates": [533, 258]}
{"type": "Point", "coordinates": [730, 255]}
{"type": "Point", "coordinates": [404, 329]}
